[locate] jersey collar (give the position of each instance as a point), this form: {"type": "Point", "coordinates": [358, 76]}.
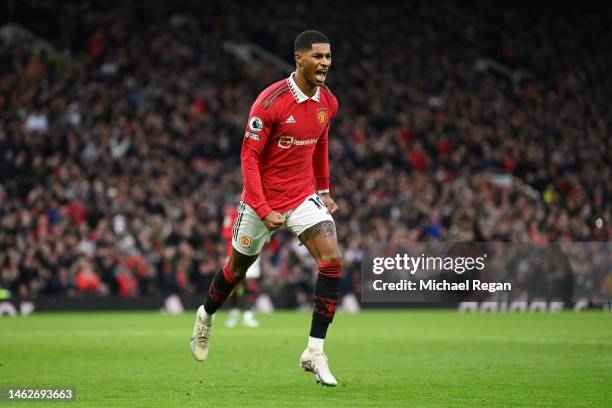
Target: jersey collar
{"type": "Point", "coordinates": [297, 92]}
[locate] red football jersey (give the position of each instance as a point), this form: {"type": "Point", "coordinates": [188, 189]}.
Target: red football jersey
{"type": "Point", "coordinates": [284, 152]}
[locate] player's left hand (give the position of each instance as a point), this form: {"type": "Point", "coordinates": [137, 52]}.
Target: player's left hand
{"type": "Point", "coordinates": [329, 202]}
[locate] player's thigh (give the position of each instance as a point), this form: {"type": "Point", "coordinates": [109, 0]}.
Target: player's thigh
{"type": "Point", "coordinates": [249, 234]}
{"type": "Point", "coordinates": [315, 227]}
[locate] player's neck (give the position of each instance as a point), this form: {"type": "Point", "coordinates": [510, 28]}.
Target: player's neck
{"type": "Point", "coordinates": [306, 87]}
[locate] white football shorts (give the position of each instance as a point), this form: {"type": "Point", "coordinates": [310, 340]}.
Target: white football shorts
{"type": "Point", "coordinates": [250, 233]}
{"type": "Point", "coordinates": [254, 271]}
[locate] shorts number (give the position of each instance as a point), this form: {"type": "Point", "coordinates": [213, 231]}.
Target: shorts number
{"type": "Point", "coordinates": [317, 201]}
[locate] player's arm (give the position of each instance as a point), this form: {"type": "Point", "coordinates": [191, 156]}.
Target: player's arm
{"type": "Point", "coordinates": [255, 138]}
{"type": "Point", "coordinates": [320, 162]}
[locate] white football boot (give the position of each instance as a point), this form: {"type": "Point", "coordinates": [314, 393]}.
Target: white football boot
{"type": "Point", "coordinates": [315, 361]}
{"type": "Point", "coordinates": [233, 318]}
{"type": "Point", "coordinates": [200, 339]}
{"type": "Point", "coordinates": [248, 320]}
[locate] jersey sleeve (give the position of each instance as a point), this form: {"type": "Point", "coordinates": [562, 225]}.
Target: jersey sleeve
{"type": "Point", "coordinates": [320, 160]}
{"type": "Point", "coordinates": [256, 136]}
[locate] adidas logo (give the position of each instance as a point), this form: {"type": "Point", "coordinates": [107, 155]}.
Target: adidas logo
{"type": "Point", "coordinates": [290, 120]}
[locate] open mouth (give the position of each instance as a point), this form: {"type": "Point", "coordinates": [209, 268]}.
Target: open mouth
{"type": "Point", "coordinates": [321, 74]}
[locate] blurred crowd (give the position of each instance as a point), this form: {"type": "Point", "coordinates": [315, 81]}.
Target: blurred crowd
{"type": "Point", "coordinates": [120, 152]}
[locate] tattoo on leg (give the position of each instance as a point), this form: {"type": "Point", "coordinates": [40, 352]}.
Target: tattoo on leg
{"type": "Point", "coordinates": [327, 228]}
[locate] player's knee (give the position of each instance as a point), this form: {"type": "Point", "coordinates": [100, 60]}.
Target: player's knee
{"type": "Point", "coordinates": [332, 258]}
{"type": "Point", "coordinates": [239, 264]}
{"type": "Point", "coordinates": [236, 270]}
{"type": "Point", "coordinates": [239, 272]}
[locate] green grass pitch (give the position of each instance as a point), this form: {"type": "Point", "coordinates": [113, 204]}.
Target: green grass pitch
{"type": "Point", "coordinates": [381, 358]}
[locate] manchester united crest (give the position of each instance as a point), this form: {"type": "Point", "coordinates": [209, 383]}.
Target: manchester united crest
{"type": "Point", "coordinates": [245, 240]}
{"type": "Point", "coordinates": [322, 117]}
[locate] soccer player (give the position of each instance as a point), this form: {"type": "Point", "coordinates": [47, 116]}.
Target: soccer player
{"type": "Point", "coordinates": [285, 168]}
{"type": "Point", "coordinates": [244, 294]}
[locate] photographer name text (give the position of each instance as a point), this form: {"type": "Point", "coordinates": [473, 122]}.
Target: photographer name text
{"type": "Point", "coordinates": [441, 285]}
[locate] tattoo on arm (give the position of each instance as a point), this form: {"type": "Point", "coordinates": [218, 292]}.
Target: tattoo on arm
{"type": "Point", "coordinates": [326, 228]}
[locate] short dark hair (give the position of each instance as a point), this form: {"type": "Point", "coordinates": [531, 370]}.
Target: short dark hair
{"type": "Point", "coordinates": [305, 40]}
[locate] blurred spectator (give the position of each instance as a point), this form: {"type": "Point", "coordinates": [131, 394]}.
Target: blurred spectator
{"type": "Point", "coordinates": [87, 280]}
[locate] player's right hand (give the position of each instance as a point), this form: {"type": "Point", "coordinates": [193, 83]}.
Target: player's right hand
{"type": "Point", "coordinates": [274, 220]}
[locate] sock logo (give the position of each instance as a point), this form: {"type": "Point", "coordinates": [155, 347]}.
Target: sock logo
{"type": "Point", "coordinates": [215, 295]}
{"type": "Point", "coordinates": [325, 307]}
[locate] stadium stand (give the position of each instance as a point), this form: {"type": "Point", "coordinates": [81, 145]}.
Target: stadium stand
{"type": "Point", "coordinates": [456, 123]}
